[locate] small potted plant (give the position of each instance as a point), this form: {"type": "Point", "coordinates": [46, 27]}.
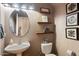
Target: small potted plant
{"type": "Point", "coordinates": [46, 30]}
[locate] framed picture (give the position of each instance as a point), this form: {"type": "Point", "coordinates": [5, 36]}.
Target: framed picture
{"type": "Point", "coordinates": [44, 10]}
{"type": "Point", "coordinates": [72, 7]}
{"type": "Point", "coordinates": [72, 33]}
{"type": "Point", "coordinates": [44, 18]}
{"type": "Point", "coordinates": [72, 20]}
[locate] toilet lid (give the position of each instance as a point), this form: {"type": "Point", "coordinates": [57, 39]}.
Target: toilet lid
{"type": "Point", "coordinates": [50, 55]}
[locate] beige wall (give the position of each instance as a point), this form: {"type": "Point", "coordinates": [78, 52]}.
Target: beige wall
{"type": "Point", "coordinates": [62, 43]}
{"type": "Point", "coordinates": [35, 40]}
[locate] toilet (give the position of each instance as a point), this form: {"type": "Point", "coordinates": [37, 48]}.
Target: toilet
{"type": "Point", "coordinates": [46, 49]}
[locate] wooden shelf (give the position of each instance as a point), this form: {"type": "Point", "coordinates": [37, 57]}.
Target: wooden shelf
{"type": "Point", "coordinates": [45, 33]}
{"type": "Point", "coordinates": [44, 22]}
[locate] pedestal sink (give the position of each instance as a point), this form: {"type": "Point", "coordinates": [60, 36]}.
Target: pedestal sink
{"type": "Point", "coordinates": [17, 48]}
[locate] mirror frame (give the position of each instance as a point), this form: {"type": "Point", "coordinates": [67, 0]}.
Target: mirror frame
{"type": "Point", "coordinates": [9, 24]}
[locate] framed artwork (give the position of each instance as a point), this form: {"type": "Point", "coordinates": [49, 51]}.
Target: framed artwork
{"type": "Point", "coordinates": [44, 18]}
{"type": "Point", "coordinates": [44, 10]}
{"type": "Point", "coordinates": [72, 7]}
{"type": "Point", "coordinates": [72, 20]}
{"type": "Point", "coordinates": [72, 33]}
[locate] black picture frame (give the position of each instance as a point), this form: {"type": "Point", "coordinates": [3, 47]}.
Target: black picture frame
{"type": "Point", "coordinates": [76, 37]}
{"type": "Point", "coordinates": [75, 19]}
{"type": "Point", "coordinates": [74, 10]}
{"type": "Point", "coordinates": [45, 10]}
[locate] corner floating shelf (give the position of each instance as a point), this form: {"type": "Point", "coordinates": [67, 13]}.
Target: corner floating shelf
{"type": "Point", "coordinates": [44, 22]}
{"type": "Point", "coordinates": [46, 33]}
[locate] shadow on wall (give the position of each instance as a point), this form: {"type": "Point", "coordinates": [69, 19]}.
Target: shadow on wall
{"type": "Point", "coordinates": [54, 49]}
{"type": "Point", "coordinates": [54, 40]}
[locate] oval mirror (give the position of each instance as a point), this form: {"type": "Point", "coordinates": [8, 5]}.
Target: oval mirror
{"type": "Point", "coordinates": [19, 23]}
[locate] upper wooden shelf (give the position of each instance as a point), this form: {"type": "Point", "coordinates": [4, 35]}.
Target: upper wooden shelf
{"type": "Point", "coordinates": [45, 33]}
{"type": "Point", "coordinates": [44, 22]}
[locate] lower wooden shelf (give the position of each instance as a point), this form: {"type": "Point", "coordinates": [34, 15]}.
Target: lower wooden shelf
{"type": "Point", "coordinates": [44, 22]}
{"type": "Point", "coordinates": [45, 33]}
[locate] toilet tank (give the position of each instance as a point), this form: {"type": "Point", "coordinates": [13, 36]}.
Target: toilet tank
{"type": "Point", "coordinates": [46, 48]}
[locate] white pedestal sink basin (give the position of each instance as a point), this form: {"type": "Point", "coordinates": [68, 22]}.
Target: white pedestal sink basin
{"type": "Point", "coordinates": [17, 48]}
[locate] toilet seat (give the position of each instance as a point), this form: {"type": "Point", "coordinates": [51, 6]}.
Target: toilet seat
{"type": "Point", "coordinates": [50, 55]}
